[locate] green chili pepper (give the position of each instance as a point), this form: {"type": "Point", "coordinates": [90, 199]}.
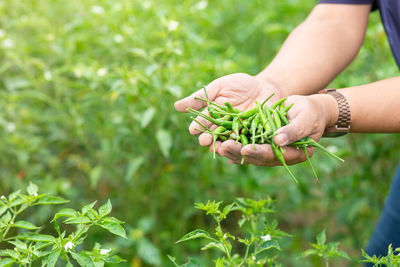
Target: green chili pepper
{"type": "Point", "coordinates": [244, 141]}
{"type": "Point", "coordinates": [269, 117]}
{"type": "Point", "coordinates": [220, 122]}
{"type": "Point", "coordinates": [217, 131]}
{"type": "Point", "coordinates": [236, 126]}
{"type": "Point", "coordinates": [283, 118]}
{"type": "Point", "coordinates": [277, 120]}
{"type": "Point", "coordinates": [277, 103]}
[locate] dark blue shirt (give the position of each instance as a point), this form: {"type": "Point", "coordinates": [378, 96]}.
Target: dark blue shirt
{"type": "Point", "coordinates": [390, 14]}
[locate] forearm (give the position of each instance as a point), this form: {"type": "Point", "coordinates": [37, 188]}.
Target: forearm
{"type": "Point", "coordinates": [375, 107]}
{"type": "Point", "coordinates": [318, 49]}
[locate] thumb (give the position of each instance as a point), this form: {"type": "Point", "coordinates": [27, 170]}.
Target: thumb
{"type": "Point", "coordinates": [297, 129]}
{"type": "Point", "coordinates": [190, 101]}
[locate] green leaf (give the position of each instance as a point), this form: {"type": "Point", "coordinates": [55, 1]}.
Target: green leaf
{"type": "Point", "coordinates": [164, 140]}
{"type": "Point", "coordinates": [268, 245]}
{"type": "Point", "coordinates": [3, 208]}
{"type": "Point", "coordinates": [51, 200]}
{"type": "Point", "coordinates": [114, 259]}
{"type": "Point", "coordinates": [7, 262]}
{"type": "Point", "coordinates": [51, 259]}
{"type": "Point", "coordinates": [6, 218]}
{"type": "Point", "coordinates": [196, 234]}
{"type": "Point", "coordinates": [105, 209]}
{"type": "Point", "coordinates": [9, 253]}
{"type": "Point", "coordinates": [18, 244]}
{"type": "Point", "coordinates": [35, 237]}
{"type": "Point", "coordinates": [25, 225]}
{"type": "Point", "coordinates": [148, 252]}
{"type": "Point", "coordinates": [112, 219]}
{"type": "Point", "coordinates": [321, 237]}
{"type": "Point", "coordinates": [344, 255]}
{"type": "Point", "coordinates": [32, 189]}
{"type": "Point", "coordinates": [88, 207]}
{"type": "Point", "coordinates": [213, 244]}
{"type": "Point", "coordinates": [16, 202]}
{"type": "Point", "coordinates": [133, 167]}
{"type": "Point", "coordinates": [82, 259]}
{"type": "Point", "coordinates": [94, 176]}
{"type": "Point", "coordinates": [114, 228]}
{"type": "Point", "coordinates": [78, 220]}
{"type": "Point", "coordinates": [65, 213]}
{"type": "Point", "coordinates": [13, 195]}
{"type": "Point", "coordinates": [146, 117]}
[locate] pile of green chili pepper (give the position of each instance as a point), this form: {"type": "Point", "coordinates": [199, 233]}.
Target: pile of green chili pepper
{"type": "Point", "coordinates": [254, 126]}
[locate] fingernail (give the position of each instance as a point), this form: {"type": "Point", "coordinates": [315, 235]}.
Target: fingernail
{"type": "Point", "coordinates": [281, 139]}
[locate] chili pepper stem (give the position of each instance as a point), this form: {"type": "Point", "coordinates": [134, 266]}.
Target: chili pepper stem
{"type": "Point", "coordinates": [309, 161]}
{"type": "Point", "coordinates": [243, 158]}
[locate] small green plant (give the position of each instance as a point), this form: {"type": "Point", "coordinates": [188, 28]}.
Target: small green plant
{"type": "Point", "coordinates": [261, 234]}
{"type": "Point", "coordinates": [391, 259]}
{"type": "Point", "coordinates": [22, 248]}
{"type": "Point", "coordinates": [326, 251]}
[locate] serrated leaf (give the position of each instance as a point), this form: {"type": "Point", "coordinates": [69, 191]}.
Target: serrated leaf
{"type": "Point", "coordinates": [51, 259]}
{"type": "Point", "coordinates": [25, 225]}
{"type": "Point", "coordinates": [196, 234]}
{"type": "Point", "coordinates": [146, 117]}
{"type": "Point", "coordinates": [6, 218]}
{"type": "Point", "coordinates": [267, 245]}
{"type": "Point", "coordinates": [114, 228]}
{"type": "Point", "coordinates": [65, 213]}
{"type": "Point", "coordinates": [321, 237]}
{"type": "Point", "coordinates": [148, 252]}
{"type": "Point", "coordinates": [105, 209]}
{"type": "Point", "coordinates": [51, 200]}
{"type": "Point", "coordinates": [83, 260]}
{"type": "Point", "coordinates": [164, 140]}
{"type": "Point", "coordinates": [32, 189]}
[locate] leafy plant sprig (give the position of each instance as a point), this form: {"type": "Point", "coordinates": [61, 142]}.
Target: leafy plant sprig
{"type": "Point", "coordinates": [326, 251]}
{"type": "Point", "coordinates": [391, 259]}
{"type": "Point", "coordinates": [30, 246]}
{"type": "Point", "coordinates": [261, 234]}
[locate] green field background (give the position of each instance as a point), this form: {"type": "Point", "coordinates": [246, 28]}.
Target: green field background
{"type": "Point", "coordinates": [86, 111]}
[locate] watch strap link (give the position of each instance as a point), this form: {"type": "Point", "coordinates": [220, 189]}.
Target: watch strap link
{"type": "Point", "coordinates": [342, 126]}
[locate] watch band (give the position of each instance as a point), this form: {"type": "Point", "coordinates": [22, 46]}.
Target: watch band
{"type": "Point", "coordinates": [342, 126]}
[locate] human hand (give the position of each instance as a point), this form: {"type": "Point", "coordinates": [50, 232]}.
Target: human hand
{"type": "Point", "coordinates": [239, 89]}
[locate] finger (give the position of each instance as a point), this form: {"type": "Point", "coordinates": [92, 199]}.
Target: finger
{"type": "Point", "coordinates": [301, 157]}
{"type": "Point", "coordinates": [231, 150]}
{"type": "Point", "coordinates": [260, 155]}
{"type": "Point", "coordinates": [217, 146]}
{"type": "Point", "coordinates": [206, 139]}
{"type": "Point", "coordinates": [297, 129]}
{"type": "Point", "coordinates": [190, 101]}
{"type": "Point", "coordinates": [194, 125]}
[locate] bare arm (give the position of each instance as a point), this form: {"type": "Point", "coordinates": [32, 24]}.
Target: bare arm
{"type": "Point", "coordinates": [319, 48]}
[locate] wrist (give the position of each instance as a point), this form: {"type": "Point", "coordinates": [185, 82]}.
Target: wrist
{"type": "Point", "coordinates": [329, 107]}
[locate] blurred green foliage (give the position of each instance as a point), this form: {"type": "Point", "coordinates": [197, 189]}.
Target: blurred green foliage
{"type": "Point", "coordinates": [86, 98]}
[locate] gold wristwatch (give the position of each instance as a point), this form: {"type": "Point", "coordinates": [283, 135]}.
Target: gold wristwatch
{"type": "Point", "coordinates": [342, 126]}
